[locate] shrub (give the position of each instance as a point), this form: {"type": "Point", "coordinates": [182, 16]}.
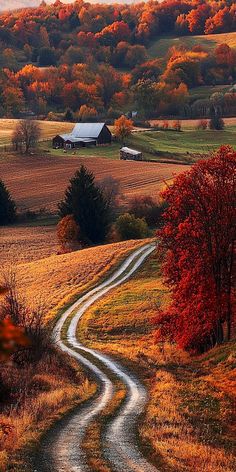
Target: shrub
{"type": "Point", "coordinates": [216, 122]}
{"type": "Point", "coordinates": [129, 227]}
{"type": "Point", "coordinates": [202, 124]}
{"type": "Point", "coordinates": [147, 208]}
{"type": "Point", "coordinates": [68, 116]}
{"type": "Point", "coordinates": [35, 337]}
{"type": "Point", "coordinates": [68, 233]}
{"type": "Point", "coordinates": [165, 124]}
{"type": "Point", "coordinates": [177, 125]}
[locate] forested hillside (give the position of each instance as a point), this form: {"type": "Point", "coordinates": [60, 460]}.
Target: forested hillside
{"type": "Point", "coordinates": [102, 58]}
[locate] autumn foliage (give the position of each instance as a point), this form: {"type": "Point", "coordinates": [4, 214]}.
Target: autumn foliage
{"type": "Point", "coordinates": [12, 337]}
{"type": "Point", "coordinates": [68, 233]}
{"type": "Point", "coordinates": [123, 128]}
{"type": "Point", "coordinates": [197, 243]}
{"type": "Point", "coordinates": [83, 47]}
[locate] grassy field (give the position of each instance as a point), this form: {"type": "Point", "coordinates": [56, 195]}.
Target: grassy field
{"type": "Point", "coordinates": [161, 46]}
{"type": "Point", "coordinates": [167, 146]}
{"type": "Point", "coordinates": [188, 424]}
{"type": "Point", "coordinates": [179, 144]}
{"type": "Point", "coordinates": [37, 182]}
{"type": "Point", "coordinates": [205, 91]}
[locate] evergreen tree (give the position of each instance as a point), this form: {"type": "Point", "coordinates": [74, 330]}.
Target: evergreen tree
{"type": "Point", "coordinates": [7, 206]}
{"type": "Point", "coordinates": [216, 122]}
{"type": "Point", "coordinates": [68, 116]}
{"type": "Point", "coordinates": [88, 205]}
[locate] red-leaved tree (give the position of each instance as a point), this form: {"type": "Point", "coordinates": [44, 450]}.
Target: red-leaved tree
{"type": "Point", "coordinates": [197, 245]}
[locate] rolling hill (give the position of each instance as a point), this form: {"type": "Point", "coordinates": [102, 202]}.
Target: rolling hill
{"type": "Point", "coordinates": [160, 47]}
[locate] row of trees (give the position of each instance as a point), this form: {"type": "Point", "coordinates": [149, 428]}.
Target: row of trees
{"type": "Point", "coordinates": [92, 213]}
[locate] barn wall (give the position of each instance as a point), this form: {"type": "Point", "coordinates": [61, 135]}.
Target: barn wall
{"type": "Point", "coordinates": [58, 142]}
{"type": "Point", "coordinates": [105, 136]}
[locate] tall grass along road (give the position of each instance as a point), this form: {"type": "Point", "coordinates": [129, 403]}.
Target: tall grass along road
{"type": "Point", "coordinates": [62, 449]}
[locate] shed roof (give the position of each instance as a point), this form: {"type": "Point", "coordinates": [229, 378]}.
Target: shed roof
{"type": "Point", "coordinates": [130, 151]}
{"type": "Point", "coordinates": [87, 130]}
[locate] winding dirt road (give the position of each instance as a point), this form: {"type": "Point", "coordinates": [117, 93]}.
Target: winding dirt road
{"type": "Point", "coordinates": [61, 450]}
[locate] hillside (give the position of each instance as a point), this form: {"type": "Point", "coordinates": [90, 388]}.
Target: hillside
{"type": "Point", "coordinates": [160, 47]}
{"type": "Point", "coordinates": [56, 384]}
{"type": "Point", "coordinates": [57, 279]}
{"type": "Point", "coordinates": [50, 62]}
{"type": "Point", "coordinates": [189, 421]}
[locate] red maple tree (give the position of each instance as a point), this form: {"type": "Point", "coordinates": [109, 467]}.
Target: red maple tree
{"type": "Point", "coordinates": [197, 244]}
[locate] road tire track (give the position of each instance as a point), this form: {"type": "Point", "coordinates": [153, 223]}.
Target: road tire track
{"type": "Point", "coordinates": [62, 451]}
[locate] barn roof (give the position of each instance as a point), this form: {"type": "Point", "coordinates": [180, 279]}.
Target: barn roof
{"type": "Point", "coordinates": [130, 151]}
{"type": "Point", "coordinates": [87, 130]}
{"type": "Point", "coordinates": [72, 139]}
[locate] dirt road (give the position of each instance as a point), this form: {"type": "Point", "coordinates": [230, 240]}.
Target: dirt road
{"type": "Point", "coordinates": [61, 450]}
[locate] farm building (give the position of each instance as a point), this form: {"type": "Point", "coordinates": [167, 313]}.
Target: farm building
{"type": "Point", "coordinates": [130, 154]}
{"type": "Point", "coordinates": [83, 135]}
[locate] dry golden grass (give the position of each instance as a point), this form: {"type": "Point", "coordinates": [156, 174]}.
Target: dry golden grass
{"type": "Point", "coordinates": [38, 182]}
{"type": "Point", "coordinates": [190, 124]}
{"type": "Point", "coordinates": [21, 244]}
{"type": "Point", "coordinates": [56, 280]}
{"type": "Point", "coordinates": [56, 384]}
{"type": "Point", "coordinates": [48, 129]}
{"type": "Point", "coordinates": [189, 422]}
{"type": "Point", "coordinates": [45, 392]}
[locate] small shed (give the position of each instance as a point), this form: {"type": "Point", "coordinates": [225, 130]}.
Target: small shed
{"type": "Point", "coordinates": [130, 154]}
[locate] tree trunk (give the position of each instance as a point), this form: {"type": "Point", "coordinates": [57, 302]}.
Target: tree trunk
{"type": "Point", "coordinates": [230, 281]}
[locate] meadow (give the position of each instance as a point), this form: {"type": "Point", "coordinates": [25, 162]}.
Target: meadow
{"type": "Point", "coordinates": [160, 47]}
{"type": "Point", "coordinates": [188, 424]}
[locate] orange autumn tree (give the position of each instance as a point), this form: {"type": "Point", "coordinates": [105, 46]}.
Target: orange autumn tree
{"type": "Point", "coordinates": [12, 337]}
{"type": "Point", "coordinates": [197, 243]}
{"type": "Point", "coordinates": [68, 233]}
{"type": "Point", "coordinates": [123, 127]}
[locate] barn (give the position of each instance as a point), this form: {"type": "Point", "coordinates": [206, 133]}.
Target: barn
{"type": "Point", "coordinates": [83, 135]}
{"type": "Point", "coordinates": [130, 154]}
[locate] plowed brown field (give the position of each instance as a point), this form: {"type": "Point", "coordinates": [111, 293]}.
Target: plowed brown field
{"type": "Point", "coordinates": [37, 182]}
